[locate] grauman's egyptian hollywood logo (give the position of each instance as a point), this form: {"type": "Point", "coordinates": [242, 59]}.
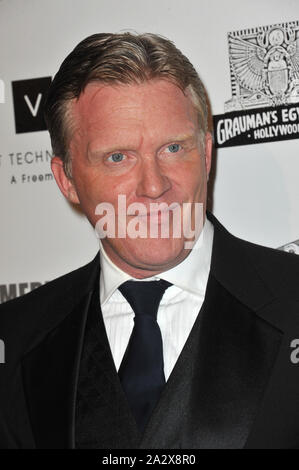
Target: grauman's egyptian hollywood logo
{"type": "Point", "coordinates": [264, 70]}
{"type": "Point", "coordinates": [292, 247]}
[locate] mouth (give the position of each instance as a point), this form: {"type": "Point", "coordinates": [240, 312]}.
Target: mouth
{"type": "Point", "coordinates": [155, 213]}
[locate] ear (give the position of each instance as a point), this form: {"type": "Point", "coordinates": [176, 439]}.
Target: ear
{"type": "Point", "coordinates": [208, 152]}
{"type": "Point", "coordinates": [65, 184]}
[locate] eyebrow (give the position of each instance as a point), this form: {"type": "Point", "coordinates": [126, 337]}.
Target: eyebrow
{"type": "Point", "coordinates": [183, 138]}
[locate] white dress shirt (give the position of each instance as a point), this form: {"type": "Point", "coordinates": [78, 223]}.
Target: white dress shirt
{"type": "Point", "coordinates": [179, 307]}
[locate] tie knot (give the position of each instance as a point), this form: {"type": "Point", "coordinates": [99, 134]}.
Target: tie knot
{"type": "Point", "coordinates": [144, 296]}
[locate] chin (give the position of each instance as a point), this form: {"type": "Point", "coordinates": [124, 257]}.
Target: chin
{"type": "Point", "coordinates": [155, 253]}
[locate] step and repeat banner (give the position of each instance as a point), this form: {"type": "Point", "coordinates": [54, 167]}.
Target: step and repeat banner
{"type": "Point", "coordinates": [247, 54]}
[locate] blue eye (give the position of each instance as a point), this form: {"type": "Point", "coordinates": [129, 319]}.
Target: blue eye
{"type": "Point", "coordinates": [116, 157]}
{"type": "Point", "coordinates": [173, 148]}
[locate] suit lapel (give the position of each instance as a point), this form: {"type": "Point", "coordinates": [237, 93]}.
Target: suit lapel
{"type": "Point", "coordinates": [100, 397]}
{"type": "Point", "coordinates": [235, 355]}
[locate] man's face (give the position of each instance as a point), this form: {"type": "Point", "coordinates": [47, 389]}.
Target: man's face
{"type": "Point", "coordinates": [140, 141]}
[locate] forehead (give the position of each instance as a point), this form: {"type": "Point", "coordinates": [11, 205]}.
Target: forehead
{"type": "Point", "coordinates": [153, 105]}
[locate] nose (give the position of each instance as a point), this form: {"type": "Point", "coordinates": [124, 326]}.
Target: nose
{"type": "Point", "coordinates": [152, 183]}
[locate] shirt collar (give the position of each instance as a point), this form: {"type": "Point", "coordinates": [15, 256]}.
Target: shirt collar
{"type": "Point", "coordinates": [190, 275]}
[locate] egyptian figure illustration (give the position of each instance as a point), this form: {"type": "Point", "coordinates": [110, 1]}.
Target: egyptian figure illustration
{"type": "Point", "coordinates": [264, 66]}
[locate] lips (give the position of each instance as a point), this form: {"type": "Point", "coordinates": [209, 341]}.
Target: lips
{"type": "Point", "coordinates": [153, 213]}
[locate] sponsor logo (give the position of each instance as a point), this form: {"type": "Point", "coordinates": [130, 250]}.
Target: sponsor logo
{"type": "Point", "coordinates": [11, 291]}
{"type": "Point", "coordinates": [292, 247]}
{"type": "Point", "coordinates": [28, 97]}
{"type": "Point", "coordinates": [264, 70]}
{"type": "Point", "coordinates": [20, 162]}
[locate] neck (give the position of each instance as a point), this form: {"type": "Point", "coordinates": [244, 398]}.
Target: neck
{"type": "Point", "coordinates": [143, 271]}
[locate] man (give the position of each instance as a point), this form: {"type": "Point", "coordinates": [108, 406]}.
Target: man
{"type": "Point", "coordinates": [153, 344]}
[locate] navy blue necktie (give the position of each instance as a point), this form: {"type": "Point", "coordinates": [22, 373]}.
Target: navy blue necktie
{"type": "Point", "coordinates": [142, 369]}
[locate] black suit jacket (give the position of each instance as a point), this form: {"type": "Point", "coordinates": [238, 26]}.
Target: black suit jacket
{"type": "Point", "coordinates": [242, 390]}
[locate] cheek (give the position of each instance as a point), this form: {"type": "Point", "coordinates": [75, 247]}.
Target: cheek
{"type": "Point", "coordinates": [190, 180]}
{"type": "Point", "coordinates": [94, 188]}
{"type": "Point", "coordinates": [90, 189]}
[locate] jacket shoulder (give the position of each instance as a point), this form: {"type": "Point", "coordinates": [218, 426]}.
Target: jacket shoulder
{"type": "Point", "coordinates": [42, 309]}
{"type": "Point", "coordinates": [278, 269]}
{"type": "Point", "coordinates": [254, 268]}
